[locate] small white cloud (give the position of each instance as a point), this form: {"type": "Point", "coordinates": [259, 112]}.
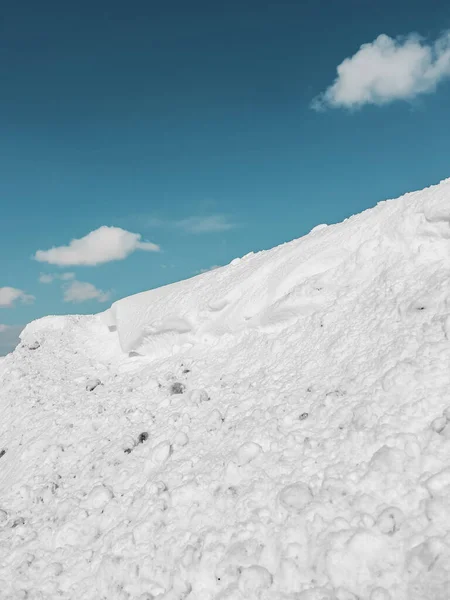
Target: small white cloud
{"type": "Point", "coordinates": [8, 295]}
{"type": "Point", "coordinates": [50, 277]}
{"type": "Point", "coordinates": [386, 70]}
{"type": "Point", "coordinates": [99, 246]}
{"type": "Point", "coordinates": [211, 224]}
{"type": "Point", "coordinates": [194, 225]}
{"type": "Point", "coordinates": [67, 276]}
{"type": "Point", "coordinates": [80, 291]}
{"type": "Point", "coordinates": [46, 278]}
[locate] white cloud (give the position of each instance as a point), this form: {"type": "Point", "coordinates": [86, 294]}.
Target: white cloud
{"type": "Point", "coordinates": [211, 224]}
{"type": "Point", "coordinates": [67, 276]}
{"type": "Point", "coordinates": [50, 277]}
{"type": "Point", "coordinates": [80, 291]}
{"type": "Point", "coordinates": [46, 278]}
{"type": "Point", "coordinates": [9, 338]}
{"type": "Point", "coordinates": [386, 70]}
{"type": "Point", "coordinates": [99, 246]}
{"type": "Point", "coordinates": [8, 295]}
{"type": "Point", "coordinates": [194, 225]}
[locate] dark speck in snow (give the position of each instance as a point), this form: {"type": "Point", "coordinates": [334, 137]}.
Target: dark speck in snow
{"type": "Point", "coordinates": [143, 437]}
{"type": "Point", "coordinates": [2, 452]}
{"type": "Point", "coordinates": [92, 384]}
{"type": "Point", "coordinates": [303, 416]}
{"type": "Point", "coordinates": [177, 388]}
{"type": "Point", "coordinates": [19, 521]}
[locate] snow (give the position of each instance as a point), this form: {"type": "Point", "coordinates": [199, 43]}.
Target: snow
{"type": "Point", "coordinates": [295, 496]}
{"type": "Point", "coordinates": [275, 429]}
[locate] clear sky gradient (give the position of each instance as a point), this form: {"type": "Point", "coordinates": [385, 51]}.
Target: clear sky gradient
{"type": "Point", "coordinates": [191, 124]}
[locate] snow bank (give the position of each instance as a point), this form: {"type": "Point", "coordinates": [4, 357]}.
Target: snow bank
{"type": "Point", "coordinates": [271, 290]}
{"type": "Point", "coordinates": [278, 429]}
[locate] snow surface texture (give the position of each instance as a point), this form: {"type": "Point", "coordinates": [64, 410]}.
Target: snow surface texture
{"type": "Point", "coordinates": [275, 429]}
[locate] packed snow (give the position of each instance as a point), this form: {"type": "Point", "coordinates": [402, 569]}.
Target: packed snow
{"type": "Point", "coordinates": [276, 429]}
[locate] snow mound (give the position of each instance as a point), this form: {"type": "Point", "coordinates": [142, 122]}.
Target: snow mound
{"type": "Point", "coordinates": [277, 429]}
{"type": "Point", "coordinates": [274, 289]}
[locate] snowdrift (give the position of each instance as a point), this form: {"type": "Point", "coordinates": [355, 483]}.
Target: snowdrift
{"type": "Point", "coordinates": [272, 290]}
{"type": "Point", "coordinates": [277, 429]}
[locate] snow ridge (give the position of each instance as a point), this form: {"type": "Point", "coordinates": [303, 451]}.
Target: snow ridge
{"type": "Point", "coordinates": [277, 429]}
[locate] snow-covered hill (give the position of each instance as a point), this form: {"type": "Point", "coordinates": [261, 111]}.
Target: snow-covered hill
{"type": "Point", "coordinates": [275, 429]}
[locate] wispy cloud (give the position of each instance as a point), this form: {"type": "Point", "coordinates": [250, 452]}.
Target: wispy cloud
{"type": "Point", "coordinates": [9, 295]}
{"type": "Point", "coordinates": [195, 225]}
{"type": "Point", "coordinates": [210, 224]}
{"type": "Point", "coordinates": [50, 277]}
{"type": "Point", "coordinates": [100, 246]}
{"type": "Point", "coordinates": [81, 291]}
{"type": "Point", "coordinates": [9, 338]}
{"type": "Point", "coordinates": [388, 69]}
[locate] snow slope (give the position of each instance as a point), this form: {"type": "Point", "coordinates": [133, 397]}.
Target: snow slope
{"type": "Point", "coordinates": [275, 429]}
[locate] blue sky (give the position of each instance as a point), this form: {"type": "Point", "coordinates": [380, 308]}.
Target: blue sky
{"type": "Point", "coordinates": [201, 131]}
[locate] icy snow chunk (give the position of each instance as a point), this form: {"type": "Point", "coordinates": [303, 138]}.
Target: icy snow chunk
{"type": "Point", "coordinates": [254, 580]}
{"type": "Point", "coordinates": [387, 459]}
{"type": "Point", "coordinates": [437, 212]}
{"type": "Point", "coordinates": [439, 424]}
{"type": "Point", "coordinates": [181, 439]}
{"type": "Point", "coordinates": [91, 384]}
{"type": "Point", "coordinates": [390, 520]}
{"type": "Point", "coordinates": [439, 483]}
{"type": "Point", "coordinates": [295, 497]}
{"type": "Point", "coordinates": [98, 497]}
{"type": "Point", "coordinates": [318, 228]}
{"type": "Point", "coordinates": [34, 345]}
{"type": "Point", "coordinates": [214, 421]}
{"type": "Point", "coordinates": [247, 452]}
{"type": "Point", "coordinates": [161, 452]}
{"type": "Point", "coordinates": [197, 397]}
